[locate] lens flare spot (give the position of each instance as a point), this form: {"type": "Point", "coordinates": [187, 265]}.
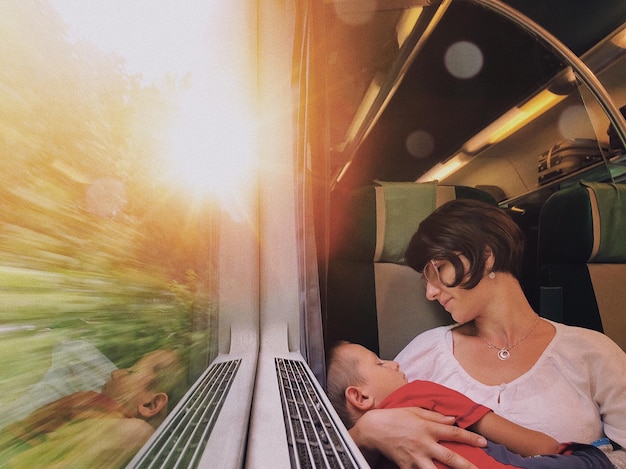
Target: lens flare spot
{"type": "Point", "coordinates": [464, 60]}
{"type": "Point", "coordinates": [420, 144]}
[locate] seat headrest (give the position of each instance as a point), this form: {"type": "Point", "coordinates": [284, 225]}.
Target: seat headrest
{"type": "Point", "coordinates": [386, 215]}
{"type": "Point", "coordinates": [400, 208]}
{"type": "Point", "coordinates": [584, 223]}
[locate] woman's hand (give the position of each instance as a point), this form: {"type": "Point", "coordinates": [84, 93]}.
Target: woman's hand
{"type": "Point", "coordinates": [410, 437]}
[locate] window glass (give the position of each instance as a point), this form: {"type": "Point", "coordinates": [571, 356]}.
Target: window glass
{"type": "Point", "coordinates": [108, 234]}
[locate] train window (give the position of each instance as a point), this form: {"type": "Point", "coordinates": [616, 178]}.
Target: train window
{"type": "Point", "coordinates": [562, 134]}
{"type": "Point", "coordinates": [115, 121]}
{"type": "Point", "coordinates": [609, 59]}
{"type": "Point", "coordinates": [417, 107]}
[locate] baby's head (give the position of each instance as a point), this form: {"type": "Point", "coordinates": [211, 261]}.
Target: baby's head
{"type": "Point", "coordinates": [359, 381]}
{"type": "Point", "coordinates": [149, 387]}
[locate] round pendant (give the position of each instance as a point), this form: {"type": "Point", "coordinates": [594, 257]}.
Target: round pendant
{"type": "Point", "coordinates": [503, 354]}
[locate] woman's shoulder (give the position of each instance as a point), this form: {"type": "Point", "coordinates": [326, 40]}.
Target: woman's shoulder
{"type": "Point", "coordinates": [568, 332]}
{"type": "Point", "coordinates": [581, 340]}
{"type": "Point", "coordinates": [424, 342]}
{"type": "Point", "coordinates": [429, 335]}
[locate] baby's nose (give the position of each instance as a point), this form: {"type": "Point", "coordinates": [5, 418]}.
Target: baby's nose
{"type": "Point", "coordinates": [393, 365]}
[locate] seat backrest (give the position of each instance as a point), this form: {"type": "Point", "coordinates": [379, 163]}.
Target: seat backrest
{"type": "Point", "coordinates": [374, 298]}
{"type": "Point", "coordinates": [582, 258]}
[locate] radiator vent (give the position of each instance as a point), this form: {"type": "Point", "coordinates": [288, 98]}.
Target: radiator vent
{"type": "Point", "coordinates": [313, 437]}
{"type": "Point", "coordinates": [181, 443]}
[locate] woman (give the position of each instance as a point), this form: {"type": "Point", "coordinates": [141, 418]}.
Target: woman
{"type": "Point", "coordinates": [565, 381]}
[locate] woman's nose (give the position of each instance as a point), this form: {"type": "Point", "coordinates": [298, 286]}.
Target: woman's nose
{"type": "Point", "coordinates": [432, 291]}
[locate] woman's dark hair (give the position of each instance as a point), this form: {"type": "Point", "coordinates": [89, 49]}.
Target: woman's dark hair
{"type": "Point", "coordinates": [468, 227]}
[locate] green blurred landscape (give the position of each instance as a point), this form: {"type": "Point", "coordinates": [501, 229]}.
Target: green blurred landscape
{"type": "Point", "coordinates": [94, 243]}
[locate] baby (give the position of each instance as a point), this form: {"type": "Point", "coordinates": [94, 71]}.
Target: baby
{"type": "Point", "coordinates": [97, 430]}
{"type": "Point", "coordinates": [359, 381]}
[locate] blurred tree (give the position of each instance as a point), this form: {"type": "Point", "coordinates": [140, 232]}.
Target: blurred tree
{"type": "Point", "coordinates": [89, 231]}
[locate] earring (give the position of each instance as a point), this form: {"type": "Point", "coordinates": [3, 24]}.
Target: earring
{"type": "Point", "coordinates": [491, 275]}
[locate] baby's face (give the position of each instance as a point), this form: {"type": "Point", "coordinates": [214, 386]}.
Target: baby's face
{"type": "Point", "coordinates": [129, 386]}
{"type": "Point", "coordinates": [382, 377]}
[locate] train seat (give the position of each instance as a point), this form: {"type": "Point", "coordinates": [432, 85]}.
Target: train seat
{"type": "Point", "coordinates": [582, 258]}
{"type": "Point", "coordinates": [374, 298]}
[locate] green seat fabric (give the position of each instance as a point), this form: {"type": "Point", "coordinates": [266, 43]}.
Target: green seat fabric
{"type": "Point", "coordinates": [400, 208]}
{"type": "Point", "coordinates": [581, 249]}
{"type": "Point", "coordinates": [377, 224]}
{"type": "Point", "coordinates": [584, 223]}
{"type": "Point", "coordinates": [609, 202]}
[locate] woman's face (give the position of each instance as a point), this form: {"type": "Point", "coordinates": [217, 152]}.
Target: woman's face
{"type": "Point", "coordinates": [462, 304]}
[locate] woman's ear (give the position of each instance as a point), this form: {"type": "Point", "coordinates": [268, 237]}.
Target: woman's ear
{"type": "Point", "coordinates": [359, 398]}
{"type": "Point", "coordinates": [152, 405]}
{"type": "Point", "coordinates": [489, 258]}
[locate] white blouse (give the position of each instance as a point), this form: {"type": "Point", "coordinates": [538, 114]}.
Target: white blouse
{"type": "Point", "coordinates": [577, 386]}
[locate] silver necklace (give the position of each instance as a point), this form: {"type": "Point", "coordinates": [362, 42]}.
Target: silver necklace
{"type": "Point", "coordinates": [504, 353]}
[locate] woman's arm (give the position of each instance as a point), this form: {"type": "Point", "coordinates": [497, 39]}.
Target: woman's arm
{"type": "Point", "coordinates": [516, 438]}
{"type": "Point", "coordinates": [409, 436]}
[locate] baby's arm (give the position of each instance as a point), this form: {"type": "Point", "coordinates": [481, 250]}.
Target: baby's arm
{"type": "Point", "coordinates": [516, 438]}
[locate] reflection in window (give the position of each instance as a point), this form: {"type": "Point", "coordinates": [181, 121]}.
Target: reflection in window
{"type": "Point", "coordinates": [103, 262]}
